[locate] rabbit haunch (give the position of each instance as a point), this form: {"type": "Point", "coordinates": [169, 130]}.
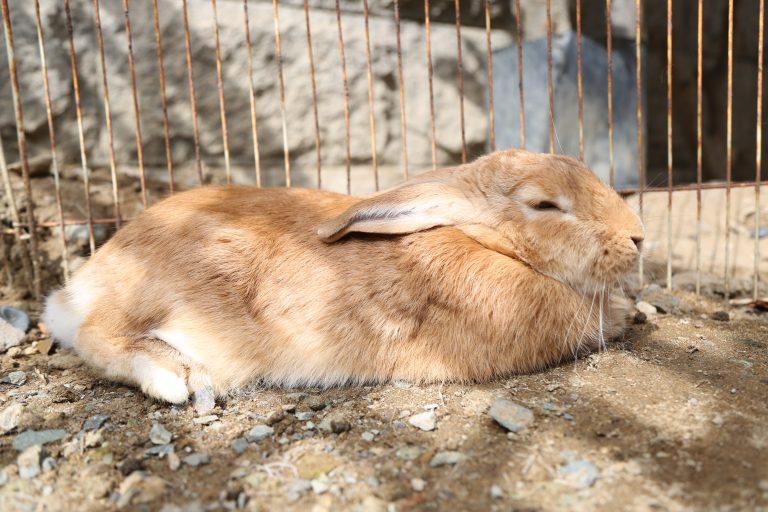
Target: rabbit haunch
{"type": "Point", "coordinates": [507, 264]}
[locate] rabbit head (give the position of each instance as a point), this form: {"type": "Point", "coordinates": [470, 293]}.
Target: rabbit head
{"type": "Point", "coordinates": [549, 211]}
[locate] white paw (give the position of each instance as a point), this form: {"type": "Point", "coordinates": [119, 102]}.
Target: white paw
{"type": "Point", "coordinates": [160, 382]}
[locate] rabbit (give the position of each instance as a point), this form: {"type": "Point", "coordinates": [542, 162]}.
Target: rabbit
{"type": "Point", "coordinates": [508, 264]}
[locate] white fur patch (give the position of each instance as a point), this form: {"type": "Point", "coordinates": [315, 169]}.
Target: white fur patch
{"type": "Point", "coordinates": [65, 310]}
{"type": "Point", "coordinates": [159, 382]}
{"type": "Point", "coordinates": [178, 340]}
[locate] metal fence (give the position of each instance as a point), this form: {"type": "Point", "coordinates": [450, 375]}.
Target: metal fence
{"type": "Point", "coordinates": [26, 228]}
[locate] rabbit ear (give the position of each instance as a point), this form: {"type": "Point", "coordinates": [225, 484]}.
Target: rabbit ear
{"type": "Point", "coordinates": [406, 209]}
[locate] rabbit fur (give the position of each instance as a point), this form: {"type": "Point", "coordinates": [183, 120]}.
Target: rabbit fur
{"type": "Point", "coordinates": [504, 265]}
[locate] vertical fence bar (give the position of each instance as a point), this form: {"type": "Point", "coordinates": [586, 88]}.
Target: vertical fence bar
{"type": "Point", "coordinates": [16, 218]}
{"type": "Point", "coordinates": [281, 86]}
{"type": "Point", "coordinates": [428, 29]}
{"type": "Point", "coordinates": [107, 113]}
{"type": "Point", "coordinates": [345, 86]}
{"type": "Point", "coordinates": [52, 136]}
{"type": "Point", "coordinates": [759, 145]}
{"type": "Point", "coordinates": [252, 94]}
{"type": "Point", "coordinates": [549, 79]}
{"type": "Point", "coordinates": [460, 65]}
{"type": "Point", "coordinates": [22, 141]}
{"type": "Point", "coordinates": [402, 88]}
{"type": "Point", "coordinates": [519, 23]}
{"type": "Point", "coordinates": [192, 97]}
{"type": "Point", "coordinates": [579, 84]}
{"type": "Point", "coordinates": [669, 144]}
{"type": "Point", "coordinates": [80, 131]}
{"type": "Point", "coordinates": [639, 100]}
{"type": "Point", "coordinates": [220, 86]}
{"type": "Point", "coordinates": [491, 114]}
{"type": "Point", "coordinates": [609, 47]}
{"type": "Point", "coordinates": [728, 153]}
{"type": "Point", "coordinates": [371, 111]}
{"type": "Point", "coordinates": [163, 99]}
{"type": "Point", "coordinates": [314, 92]}
{"type": "Point", "coordinates": [136, 113]}
{"type": "Point", "coordinates": [699, 152]}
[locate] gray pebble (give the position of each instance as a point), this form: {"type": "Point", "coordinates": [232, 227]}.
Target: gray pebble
{"type": "Point", "coordinates": [205, 420]}
{"type": "Point", "coordinates": [32, 437]}
{"type": "Point", "coordinates": [29, 462]}
{"type": "Point", "coordinates": [16, 317]}
{"type": "Point", "coordinates": [48, 464]}
{"type": "Point", "coordinates": [367, 436]}
{"type": "Point", "coordinates": [579, 474]}
{"type": "Point", "coordinates": [446, 458]}
{"type": "Point", "coordinates": [204, 400]}
{"type": "Point", "coordinates": [304, 415]}
{"type": "Point", "coordinates": [496, 492]}
{"type": "Point", "coordinates": [9, 418]}
{"type": "Point", "coordinates": [300, 485]}
{"type": "Point", "coordinates": [426, 421]}
{"type": "Point", "coordinates": [510, 415]}
{"type": "Point", "coordinates": [159, 451]}
{"type": "Point", "coordinates": [196, 459]}
{"type": "Point", "coordinates": [159, 434]}
{"type": "Point", "coordinates": [239, 445]}
{"type": "Point", "coordinates": [9, 336]}
{"type": "Point", "coordinates": [95, 422]}
{"type": "Point", "coordinates": [17, 378]}
{"type": "Point", "coordinates": [259, 433]}
{"type": "Point", "coordinates": [408, 453]}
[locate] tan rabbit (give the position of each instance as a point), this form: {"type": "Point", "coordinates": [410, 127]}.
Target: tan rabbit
{"type": "Point", "coordinates": [504, 265]}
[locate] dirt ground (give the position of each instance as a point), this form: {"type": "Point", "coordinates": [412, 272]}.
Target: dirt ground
{"type": "Point", "coordinates": [671, 417]}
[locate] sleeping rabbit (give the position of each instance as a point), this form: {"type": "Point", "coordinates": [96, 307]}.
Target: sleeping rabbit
{"type": "Point", "coordinates": [503, 265]}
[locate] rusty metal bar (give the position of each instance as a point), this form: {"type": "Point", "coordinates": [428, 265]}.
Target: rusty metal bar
{"type": "Point", "coordinates": [669, 144]}
{"type": "Point", "coordinates": [136, 114]}
{"type": "Point", "coordinates": [107, 111]}
{"type": "Point", "coordinates": [728, 153]}
{"type": "Point", "coordinates": [252, 95]}
{"type": "Point", "coordinates": [314, 93]}
{"type": "Point", "coordinates": [699, 152]}
{"type": "Point", "coordinates": [22, 141]}
{"type": "Point", "coordinates": [192, 97]}
{"type": "Point", "coordinates": [52, 136]}
{"type": "Point", "coordinates": [371, 112]}
{"type": "Point", "coordinates": [15, 218]}
{"type": "Point", "coordinates": [460, 65]}
{"type": "Point", "coordinates": [491, 115]}
{"type": "Point", "coordinates": [759, 151]}
{"type": "Point", "coordinates": [609, 47]}
{"type": "Point", "coordinates": [345, 86]}
{"type": "Point", "coordinates": [428, 29]}
{"type": "Point", "coordinates": [519, 27]}
{"type": "Point", "coordinates": [639, 100]}
{"type": "Point", "coordinates": [220, 85]}
{"type": "Point", "coordinates": [549, 79]}
{"type": "Point", "coordinates": [80, 131]}
{"type": "Point", "coordinates": [163, 99]}
{"type": "Point", "coordinates": [402, 88]}
{"type": "Point", "coordinates": [579, 84]}
{"type": "Point", "coordinates": [281, 85]}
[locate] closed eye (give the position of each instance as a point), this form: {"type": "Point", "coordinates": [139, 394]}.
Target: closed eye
{"type": "Point", "coordinates": [546, 205]}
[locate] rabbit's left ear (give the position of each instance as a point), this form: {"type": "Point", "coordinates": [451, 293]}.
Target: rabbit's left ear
{"type": "Point", "coordinates": [409, 208]}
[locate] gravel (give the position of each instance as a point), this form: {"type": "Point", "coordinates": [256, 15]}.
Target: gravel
{"type": "Point", "coordinates": [259, 433]}
{"type": "Point", "coordinates": [446, 458]}
{"type": "Point", "coordinates": [204, 400]}
{"type": "Point", "coordinates": [10, 416]}
{"type": "Point", "coordinates": [196, 459]}
{"type": "Point", "coordinates": [15, 317]}
{"type": "Point", "coordinates": [579, 474]}
{"type": "Point", "coordinates": [32, 437]}
{"type": "Point", "coordinates": [510, 415]}
{"type": "Point", "coordinates": [10, 336]}
{"type": "Point", "coordinates": [159, 434]}
{"type": "Point", "coordinates": [29, 461]}
{"type": "Point", "coordinates": [239, 445]}
{"type": "Point", "coordinates": [426, 421]}
{"type": "Point", "coordinates": [17, 378]}
{"type": "Point", "coordinates": [721, 316]}
{"type": "Point", "coordinates": [95, 422]}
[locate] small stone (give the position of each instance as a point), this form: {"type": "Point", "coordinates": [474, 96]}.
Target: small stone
{"type": "Point", "coordinates": [304, 415]}
{"type": "Point", "coordinates": [647, 309]}
{"type": "Point", "coordinates": [29, 462]}
{"type": "Point", "coordinates": [763, 485]}
{"type": "Point", "coordinates": [275, 417]}
{"type": "Point", "coordinates": [196, 459]}
{"type": "Point", "coordinates": [160, 450]}
{"type": "Point", "coordinates": [426, 421]}
{"type": "Point", "coordinates": [44, 346]}
{"type": "Point", "coordinates": [17, 378]}
{"type": "Point", "coordinates": [239, 445]}
{"type": "Point", "coordinates": [259, 433]}
{"type": "Point", "coordinates": [64, 361]}
{"type": "Point", "coordinates": [129, 466]}
{"type": "Point", "coordinates": [174, 462]}
{"type": "Point", "coordinates": [367, 436]}
{"type": "Point", "coordinates": [159, 434]}
{"type": "Point", "coordinates": [10, 336]}
{"type": "Point", "coordinates": [496, 492]}
{"type": "Point", "coordinates": [9, 418]}
{"type": "Point", "coordinates": [95, 422]}
{"type": "Point", "coordinates": [300, 485]}
{"type": "Point", "coordinates": [579, 474]}
{"type": "Point", "coordinates": [204, 400]}
{"type": "Point", "coordinates": [718, 420]}
{"type": "Point", "coordinates": [32, 437]}
{"type": "Point", "coordinates": [640, 318]}
{"type": "Point", "coordinates": [15, 317]}
{"type": "Point", "coordinates": [418, 484]}
{"type": "Point", "coordinates": [93, 438]}
{"type": "Point", "coordinates": [139, 488]}
{"type": "Point", "coordinates": [49, 463]}
{"type": "Point", "coordinates": [317, 404]}
{"type": "Point", "coordinates": [319, 486]}
{"type": "Point", "coordinates": [446, 458]}
{"type": "Point", "coordinates": [510, 415]}
{"type": "Point", "coordinates": [408, 453]}
{"type": "Point", "coordinates": [553, 387]}
{"type": "Point", "coordinates": [567, 416]}
{"type": "Point", "coordinates": [205, 420]}
{"type": "Point", "coordinates": [721, 316]}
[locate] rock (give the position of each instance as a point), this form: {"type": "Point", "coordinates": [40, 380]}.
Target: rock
{"type": "Point", "coordinates": [139, 488]}
{"type": "Point", "coordinates": [510, 415]}
{"type": "Point", "coordinates": [640, 318]}
{"type": "Point", "coordinates": [9, 418]}
{"type": "Point", "coordinates": [174, 462]}
{"type": "Point", "coordinates": [334, 424]}
{"type": "Point", "coordinates": [367, 436]}
{"type": "Point", "coordinates": [158, 434]}
{"type": "Point", "coordinates": [45, 346]}
{"type": "Point", "coordinates": [93, 438]}
{"type": "Point", "coordinates": [32, 437]}
{"type": "Point", "coordinates": [204, 400]}
{"type": "Point", "coordinates": [319, 486]}
{"type": "Point", "coordinates": [579, 474]}
{"type": "Point", "coordinates": [10, 336]}
{"type": "Point", "coordinates": [95, 422]}
{"type": "Point", "coordinates": [29, 461]}
{"type": "Point", "coordinates": [48, 464]}
{"type": "Point", "coordinates": [304, 415]}
{"type": "Point", "coordinates": [159, 451]}
{"type": "Point", "coordinates": [64, 361]}
{"type": "Point", "coordinates": [721, 316]}
{"type": "Point", "coordinates": [205, 420]}
{"type": "Point", "coordinates": [196, 459]}
{"type": "Point", "coordinates": [426, 421]}
{"type": "Point", "coordinates": [409, 453]}
{"type": "Point", "coordinates": [446, 458]}
{"type": "Point", "coordinates": [647, 309]}
{"type": "Point", "coordinates": [239, 445]}
{"type": "Point", "coordinates": [496, 492]}
{"type": "Point", "coordinates": [275, 417]}
{"type": "Point", "coordinates": [16, 317]}
{"type": "Point", "coordinates": [317, 404]}
{"type": "Point", "coordinates": [299, 485]}
{"type": "Point", "coordinates": [259, 433]}
{"type": "Point", "coordinates": [418, 485]}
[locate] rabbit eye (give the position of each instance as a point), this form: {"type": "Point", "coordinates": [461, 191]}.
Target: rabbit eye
{"type": "Point", "coordinates": [545, 205]}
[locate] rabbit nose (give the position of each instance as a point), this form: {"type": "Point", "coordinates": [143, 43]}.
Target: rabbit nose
{"type": "Point", "coordinates": [638, 241]}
